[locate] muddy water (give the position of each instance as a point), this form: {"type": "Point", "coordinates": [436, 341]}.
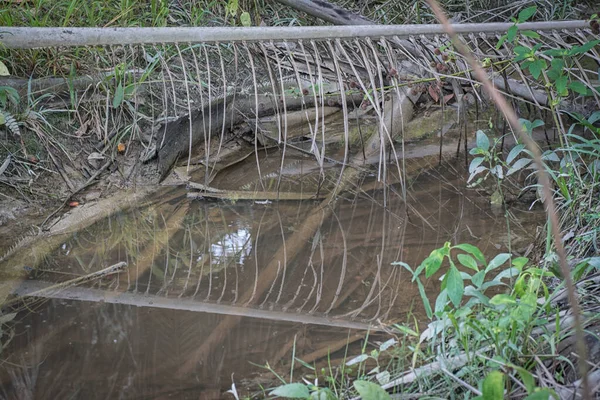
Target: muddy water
{"type": "Point", "coordinates": [193, 306]}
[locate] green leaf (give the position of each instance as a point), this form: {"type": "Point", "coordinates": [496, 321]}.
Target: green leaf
{"type": "Point", "coordinates": [514, 152]}
{"type": "Point", "coordinates": [561, 85]}
{"type": "Point", "coordinates": [467, 261]}
{"type": "Point", "coordinates": [370, 391]}
{"type": "Point", "coordinates": [433, 262]}
{"type": "Point", "coordinates": [501, 41]}
{"type": "Point", "coordinates": [531, 34]}
{"type": "Point", "coordinates": [520, 262]}
{"type": "Point", "coordinates": [291, 391]}
{"type": "Point", "coordinates": [576, 50]}
{"type": "Point", "coordinates": [424, 299]}
{"type": "Point", "coordinates": [2, 119]}
{"type": "Point", "coordinates": [440, 301]}
{"type": "Point", "coordinates": [3, 69]}
{"type": "Point", "coordinates": [527, 378]}
{"type": "Point", "coordinates": [503, 299]}
{"type": "Point", "coordinates": [476, 162]}
{"type": "Point", "coordinates": [478, 278]}
{"type": "Point", "coordinates": [518, 165]}
{"type": "Point", "coordinates": [536, 68]}
{"type": "Point", "coordinates": [245, 19]}
{"type": "Point", "coordinates": [556, 52]}
{"type": "Point", "coordinates": [578, 87]}
{"type": "Point", "coordinates": [493, 386]}
{"type": "Point", "coordinates": [119, 95]}
{"type": "Point", "coordinates": [511, 33]}
{"type": "Point", "coordinates": [454, 285]}
{"type": "Point", "coordinates": [557, 66]}
{"type": "Point", "coordinates": [527, 13]}
{"type": "Point", "coordinates": [406, 330]}
{"type": "Point", "coordinates": [497, 261]}
{"type": "Point", "coordinates": [472, 250]}
{"type": "Point", "coordinates": [482, 140]}
{"type": "Point", "coordinates": [537, 123]}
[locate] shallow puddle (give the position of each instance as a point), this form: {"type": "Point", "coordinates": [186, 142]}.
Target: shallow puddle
{"type": "Point", "coordinates": [213, 286]}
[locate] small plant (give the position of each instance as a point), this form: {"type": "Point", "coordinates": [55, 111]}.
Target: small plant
{"type": "Point", "coordinates": [465, 320]}
{"type": "Point", "coordinates": [8, 97]}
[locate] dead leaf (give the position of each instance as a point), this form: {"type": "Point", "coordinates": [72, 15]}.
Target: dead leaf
{"type": "Point", "coordinates": [121, 147]}
{"type": "Point", "coordinates": [433, 93]}
{"type": "Point", "coordinates": [73, 204]}
{"type": "Point", "coordinates": [448, 97]}
{"type": "Point", "coordinates": [82, 129]}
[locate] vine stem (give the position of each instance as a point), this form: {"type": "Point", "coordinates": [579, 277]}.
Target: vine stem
{"type": "Point", "coordinates": [543, 179]}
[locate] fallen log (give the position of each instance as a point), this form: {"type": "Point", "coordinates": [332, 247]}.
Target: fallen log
{"type": "Point", "coordinates": [224, 112]}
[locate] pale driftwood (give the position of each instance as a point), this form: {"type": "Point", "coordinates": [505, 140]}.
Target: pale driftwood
{"type": "Point", "coordinates": [34, 288]}
{"type": "Point", "coordinates": [30, 38]}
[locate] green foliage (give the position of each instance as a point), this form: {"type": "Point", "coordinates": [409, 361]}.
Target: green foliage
{"type": "Point", "coordinates": [534, 59]}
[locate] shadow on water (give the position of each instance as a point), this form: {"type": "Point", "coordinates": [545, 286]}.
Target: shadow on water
{"type": "Point", "coordinates": [192, 308]}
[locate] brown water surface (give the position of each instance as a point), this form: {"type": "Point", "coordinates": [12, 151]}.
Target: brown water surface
{"type": "Point", "coordinates": [202, 297]}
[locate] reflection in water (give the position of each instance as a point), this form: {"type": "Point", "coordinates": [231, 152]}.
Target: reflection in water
{"type": "Point", "coordinates": [234, 246]}
{"type": "Point", "coordinates": [213, 286]}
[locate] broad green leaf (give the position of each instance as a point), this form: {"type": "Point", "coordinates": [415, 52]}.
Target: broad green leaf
{"type": "Point", "coordinates": [576, 50]}
{"type": "Point", "coordinates": [472, 250]}
{"type": "Point", "coordinates": [2, 119]}
{"type": "Point", "coordinates": [497, 261]}
{"type": "Point", "coordinates": [476, 162]}
{"type": "Point", "coordinates": [3, 69]}
{"type": "Point", "coordinates": [501, 42]}
{"type": "Point", "coordinates": [493, 386]}
{"type": "Point", "coordinates": [526, 377]}
{"type": "Point", "coordinates": [578, 87]}
{"type": "Point", "coordinates": [535, 68]}
{"type": "Point", "coordinates": [482, 140]}
{"type": "Point", "coordinates": [519, 165]}
{"type": "Point", "coordinates": [557, 66]}
{"type": "Point", "coordinates": [467, 261]}
{"type": "Point", "coordinates": [440, 301]}
{"type": "Point", "coordinates": [454, 286]}
{"type": "Point", "coordinates": [478, 278]}
{"type": "Point", "coordinates": [594, 117]}
{"type": "Point", "coordinates": [514, 152]}
{"type": "Point", "coordinates": [537, 123]}
{"type": "Point", "coordinates": [502, 299]}
{"type": "Point", "coordinates": [370, 391]}
{"type": "Point", "coordinates": [291, 391]}
{"type": "Point", "coordinates": [433, 262]}
{"type": "Point", "coordinates": [556, 52]}
{"type": "Point", "coordinates": [520, 262]}
{"type": "Point", "coordinates": [245, 19]}
{"type": "Point", "coordinates": [561, 85]}
{"type": "Point", "coordinates": [119, 95]}
{"type": "Point", "coordinates": [527, 13]}
{"type": "Point", "coordinates": [511, 33]}
{"type": "Point", "coordinates": [531, 34]}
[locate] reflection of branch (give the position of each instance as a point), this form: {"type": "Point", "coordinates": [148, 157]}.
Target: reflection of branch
{"type": "Point", "coordinates": [48, 291]}
{"type": "Point", "coordinates": [32, 288]}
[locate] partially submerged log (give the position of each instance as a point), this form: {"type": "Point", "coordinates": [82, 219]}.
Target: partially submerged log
{"type": "Point", "coordinates": [224, 113]}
